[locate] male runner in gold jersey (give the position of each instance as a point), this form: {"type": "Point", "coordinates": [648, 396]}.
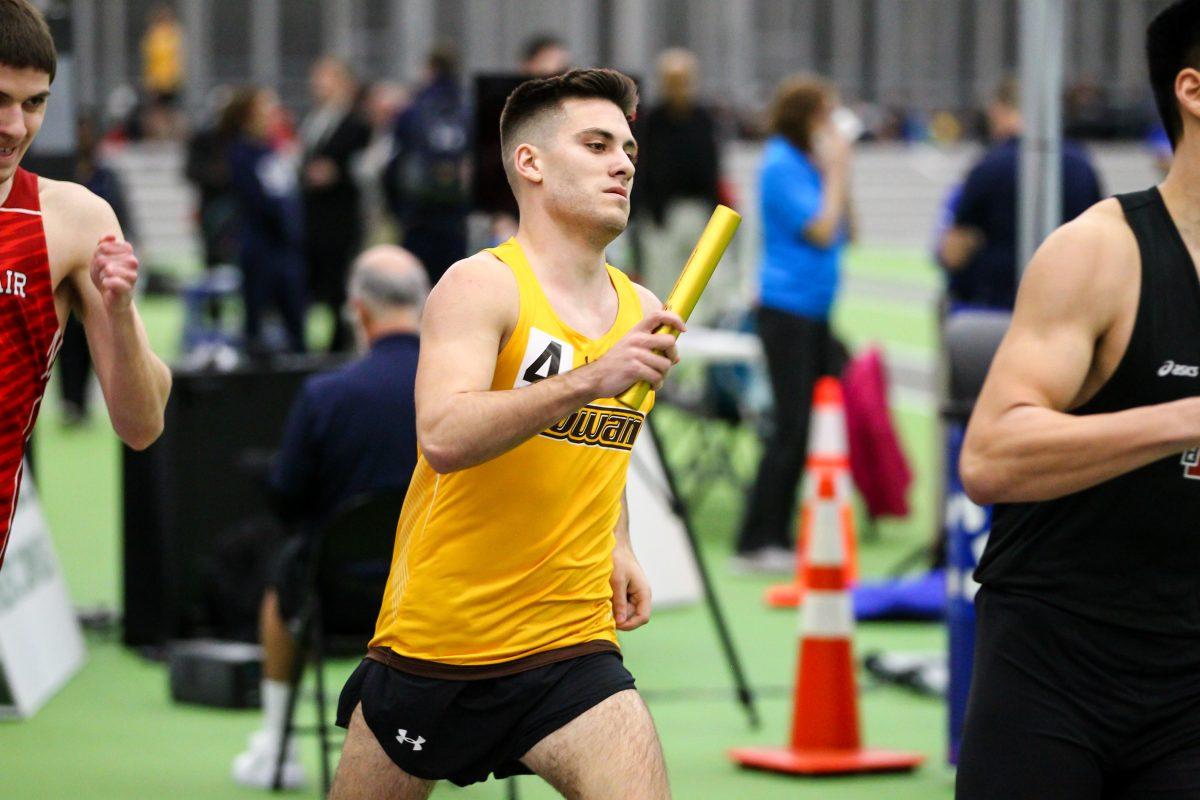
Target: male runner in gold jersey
{"type": "Point", "coordinates": [495, 650]}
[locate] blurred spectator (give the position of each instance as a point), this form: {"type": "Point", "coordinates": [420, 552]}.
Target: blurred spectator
{"type": "Point", "coordinates": [382, 103]}
{"type": "Point", "coordinates": [945, 128]}
{"type": "Point", "coordinates": [804, 183]}
{"type": "Point", "coordinates": [542, 56]}
{"type": "Point", "coordinates": [162, 56]}
{"type": "Point", "coordinates": [350, 432]}
{"type": "Point", "coordinates": [122, 108]}
{"type": "Point", "coordinates": [893, 127]}
{"type": "Point", "coordinates": [425, 181]}
{"type": "Point", "coordinates": [331, 135]}
{"type": "Point", "coordinates": [281, 129]}
{"type": "Point", "coordinates": [207, 169]}
{"type": "Point", "coordinates": [270, 218]}
{"type": "Point", "coordinates": [979, 251]}
{"type": "Point", "coordinates": [678, 169]}
{"type": "Point", "coordinates": [545, 55]}
{"type": "Point", "coordinates": [74, 358]}
{"type": "Point", "coordinates": [162, 77]}
{"type": "Point", "coordinates": [1088, 113]}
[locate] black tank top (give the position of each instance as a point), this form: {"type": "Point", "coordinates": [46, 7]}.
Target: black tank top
{"type": "Point", "coordinates": [1125, 552]}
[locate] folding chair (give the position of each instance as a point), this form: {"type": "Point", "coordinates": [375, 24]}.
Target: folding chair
{"type": "Point", "coordinates": [347, 572]}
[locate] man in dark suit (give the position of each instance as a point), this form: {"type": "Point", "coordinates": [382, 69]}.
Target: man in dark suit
{"type": "Point", "coordinates": [332, 134]}
{"type": "Point", "coordinates": [979, 251]}
{"type": "Point", "coordinates": [351, 431]}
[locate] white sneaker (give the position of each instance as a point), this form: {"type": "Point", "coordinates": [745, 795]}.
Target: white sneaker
{"type": "Point", "coordinates": [255, 767]}
{"type": "Point", "coordinates": [764, 561]}
{"type": "Point", "coordinates": [778, 559]}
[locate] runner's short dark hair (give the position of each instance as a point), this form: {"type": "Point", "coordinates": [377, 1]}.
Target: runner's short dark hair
{"type": "Point", "coordinates": [1172, 44]}
{"type": "Point", "coordinates": [538, 96]}
{"type": "Point", "coordinates": [25, 41]}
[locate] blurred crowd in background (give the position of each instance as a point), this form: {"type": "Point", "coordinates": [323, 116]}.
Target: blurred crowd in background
{"type": "Point", "coordinates": [289, 194]}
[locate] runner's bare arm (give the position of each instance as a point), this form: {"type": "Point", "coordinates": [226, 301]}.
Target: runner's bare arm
{"type": "Point", "coordinates": [631, 589]}
{"type": "Point", "coordinates": [469, 314]}
{"type": "Point", "coordinates": [1021, 445]}
{"type": "Point", "coordinates": [102, 276]}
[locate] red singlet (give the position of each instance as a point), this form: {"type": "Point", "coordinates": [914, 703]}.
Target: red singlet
{"type": "Point", "coordinates": [29, 333]}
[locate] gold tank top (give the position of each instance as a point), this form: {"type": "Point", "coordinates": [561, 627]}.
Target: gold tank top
{"type": "Point", "coordinates": [509, 560]}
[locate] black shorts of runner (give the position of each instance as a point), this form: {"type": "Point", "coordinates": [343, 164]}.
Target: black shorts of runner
{"type": "Point", "coordinates": [464, 730]}
{"type": "Point", "coordinates": [1069, 708]}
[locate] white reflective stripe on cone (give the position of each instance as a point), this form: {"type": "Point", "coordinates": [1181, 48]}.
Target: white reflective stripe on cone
{"type": "Point", "coordinates": [828, 434]}
{"type": "Point", "coordinates": [827, 548]}
{"type": "Point", "coordinates": [827, 615]}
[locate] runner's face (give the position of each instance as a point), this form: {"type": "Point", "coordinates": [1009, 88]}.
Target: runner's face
{"type": "Point", "coordinates": [590, 166]}
{"type": "Point", "coordinates": [23, 94]}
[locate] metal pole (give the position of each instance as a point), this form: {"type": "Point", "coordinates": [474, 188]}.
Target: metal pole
{"type": "Point", "coordinates": [1040, 182]}
{"type": "Point", "coordinates": [988, 46]}
{"type": "Point", "coordinates": [745, 694]}
{"type": "Point", "coordinates": [83, 14]}
{"type": "Point", "coordinates": [413, 26]}
{"type": "Point", "coordinates": [485, 47]}
{"type": "Point", "coordinates": [581, 26]}
{"type": "Point", "coordinates": [266, 23]}
{"type": "Point", "coordinates": [337, 34]}
{"type": "Point", "coordinates": [634, 37]}
{"type": "Point", "coordinates": [892, 69]}
{"type": "Point", "coordinates": [1131, 27]}
{"type": "Point", "coordinates": [848, 46]}
{"type": "Point", "coordinates": [740, 81]}
{"type": "Point", "coordinates": [197, 24]}
{"type": "Point", "coordinates": [1052, 124]}
{"type": "Point", "coordinates": [115, 47]}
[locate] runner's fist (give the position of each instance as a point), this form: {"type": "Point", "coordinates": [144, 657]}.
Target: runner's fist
{"type": "Point", "coordinates": [640, 355]}
{"type": "Point", "coordinates": [114, 272]}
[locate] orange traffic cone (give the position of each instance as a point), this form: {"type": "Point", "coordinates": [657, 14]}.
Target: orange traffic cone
{"type": "Point", "coordinates": [827, 455]}
{"type": "Point", "coordinates": [825, 737]}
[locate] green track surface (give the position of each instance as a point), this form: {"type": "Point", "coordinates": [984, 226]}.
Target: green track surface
{"type": "Point", "coordinates": [113, 732]}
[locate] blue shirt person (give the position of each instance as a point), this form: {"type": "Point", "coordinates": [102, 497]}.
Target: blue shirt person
{"type": "Point", "coordinates": [803, 195]}
{"type": "Point", "coordinates": [797, 275]}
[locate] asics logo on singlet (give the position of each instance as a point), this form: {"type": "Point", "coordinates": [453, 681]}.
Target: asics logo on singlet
{"type": "Point", "coordinates": [1169, 367]}
{"type": "Point", "coordinates": [599, 426]}
{"type": "Point", "coordinates": [402, 738]}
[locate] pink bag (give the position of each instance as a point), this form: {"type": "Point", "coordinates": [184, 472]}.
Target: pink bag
{"type": "Point", "coordinates": [877, 462]}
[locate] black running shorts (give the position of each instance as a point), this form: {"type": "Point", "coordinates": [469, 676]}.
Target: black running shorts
{"type": "Point", "coordinates": [1067, 708]}
{"type": "Point", "coordinates": [464, 730]}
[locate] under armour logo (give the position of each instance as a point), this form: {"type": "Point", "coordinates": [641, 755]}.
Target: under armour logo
{"type": "Point", "coordinates": [403, 739]}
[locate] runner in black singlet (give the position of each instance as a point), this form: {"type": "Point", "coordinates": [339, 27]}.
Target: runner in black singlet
{"type": "Point", "coordinates": [1086, 437]}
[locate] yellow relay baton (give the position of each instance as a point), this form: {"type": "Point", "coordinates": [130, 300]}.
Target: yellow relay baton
{"type": "Point", "coordinates": [699, 268]}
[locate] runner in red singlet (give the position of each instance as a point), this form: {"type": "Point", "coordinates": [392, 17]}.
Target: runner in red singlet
{"type": "Point", "coordinates": [60, 251]}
